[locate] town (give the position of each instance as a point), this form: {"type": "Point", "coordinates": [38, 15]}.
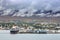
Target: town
{"type": "Point", "coordinates": [32, 27]}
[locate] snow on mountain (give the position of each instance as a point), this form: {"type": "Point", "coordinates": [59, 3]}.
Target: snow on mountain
{"type": "Point", "coordinates": [28, 8]}
{"type": "Point", "coordinates": [30, 12]}
{"type": "Point", "coordinates": [6, 12]}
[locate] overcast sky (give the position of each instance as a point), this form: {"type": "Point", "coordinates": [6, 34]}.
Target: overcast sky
{"type": "Point", "coordinates": [37, 4]}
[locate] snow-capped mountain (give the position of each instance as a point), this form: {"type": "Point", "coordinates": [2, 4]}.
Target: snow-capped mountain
{"type": "Point", "coordinates": [29, 13]}
{"type": "Point", "coordinates": [25, 8]}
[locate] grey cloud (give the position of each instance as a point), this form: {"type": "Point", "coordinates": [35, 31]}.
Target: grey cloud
{"type": "Point", "coordinates": [46, 4]}
{"type": "Point", "coordinates": [37, 4]}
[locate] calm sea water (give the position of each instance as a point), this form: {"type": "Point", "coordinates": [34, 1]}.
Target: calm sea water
{"type": "Point", "coordinates": [5, 35]}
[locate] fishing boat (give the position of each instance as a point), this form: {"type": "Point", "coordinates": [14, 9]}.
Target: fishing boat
{"type": "Point", "coordinates": [14, 30]}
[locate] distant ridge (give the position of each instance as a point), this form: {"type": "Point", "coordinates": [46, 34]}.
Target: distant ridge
{"type": "Point", "coordinates": [44, 19]}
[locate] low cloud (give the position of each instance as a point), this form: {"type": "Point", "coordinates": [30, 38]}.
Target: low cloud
{"type": "Point", "coordinates": [30, 5]}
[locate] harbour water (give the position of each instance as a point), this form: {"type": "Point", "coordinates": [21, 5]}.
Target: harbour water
{"type": "Point", "coordinates": [5, 35]}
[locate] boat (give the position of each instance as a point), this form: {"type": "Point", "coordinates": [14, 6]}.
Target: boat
{"type": "Point", "coordinates": [14, 30]}
{"type": "Point", "coordinates": [41, 31]}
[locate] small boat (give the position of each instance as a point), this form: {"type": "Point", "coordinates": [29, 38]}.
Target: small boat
{"type": "Point", "coordinates": [14, 30]}
{"type": "Point", "coordinates": [41, 31]}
